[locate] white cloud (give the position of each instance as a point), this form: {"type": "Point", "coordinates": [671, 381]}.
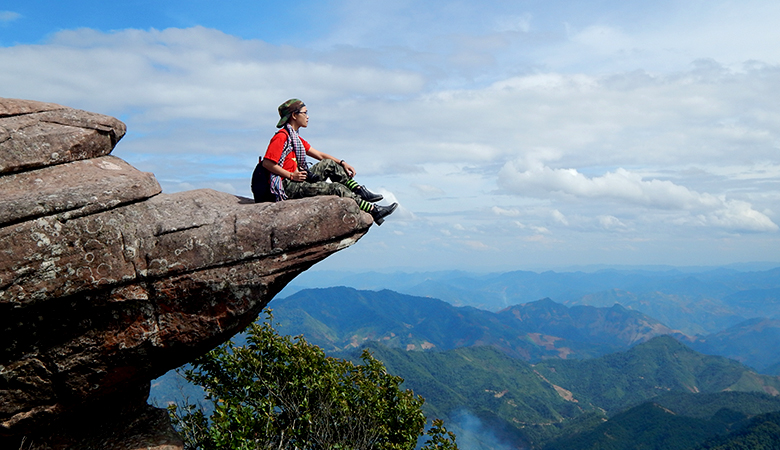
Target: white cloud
{"type": "Point", "coordinates": [225, 187]}
{"type": "Point", "coordinates": [184, 186]}
{"type": "Point", "coordinates": [738, 215]}
{"type": "Point", "coordinates": [204, 75]}
{"type": "Point", "coordinates": [611, 223]}
{"type": "Point", "coordinates": [174, 74]}
{"type": "Point", "coordinates": [602, 39]}
{"type": "Point", "coordinates": [559, 217]}
{"type": "Point", "coordinates": [505, 212]}
{"type": "Point", "coordinates": [477, 245]}
{"type": "Point", "coordinates": [630, 188]}
{"type": "Point", "coordinates": [8, 16]}
{"type": "Point", "coordinates": [428, 190]}
{"type": "Point", "coordinates": [541, 230]}
{"type": "Point", "coordinates": [535, 229]}
{"type": "Point", "coordinates": [592, 132]}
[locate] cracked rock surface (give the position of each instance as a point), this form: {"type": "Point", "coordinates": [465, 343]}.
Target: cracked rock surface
{"type": "Point", "coordinates": [106, 283]}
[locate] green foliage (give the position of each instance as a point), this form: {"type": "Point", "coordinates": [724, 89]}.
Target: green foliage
{"type": "Point", "coordinates": [679, 422]}
{"type": "Point", "coordinates": [490, 386]}
{"type": "Point", "coordinates": [708, 405]}
{"type": "Point", "coordinates": [282, 392]}
{"type": "Point", "coordinates": [440, 438]}
{"type": "Point", "coordinates": [762, 433]}
{"type": "Point", "coordinates": [537, 404]}
{"type": "Point", "coordinates": [659, 366]}
{"type": "Point", "coordinates": [648, 427]}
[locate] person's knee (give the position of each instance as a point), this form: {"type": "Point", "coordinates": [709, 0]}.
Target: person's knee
{"type": "Point", "coordinates": [327, 168]}
{"type": "Point", "coordinates": [328, 163]}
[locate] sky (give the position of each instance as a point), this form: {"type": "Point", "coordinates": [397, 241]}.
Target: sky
{"type": "Point", "coordinates": [515, 135]}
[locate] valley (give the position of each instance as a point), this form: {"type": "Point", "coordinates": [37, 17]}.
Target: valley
{"type": "Point", "coordinates": [550, 374]}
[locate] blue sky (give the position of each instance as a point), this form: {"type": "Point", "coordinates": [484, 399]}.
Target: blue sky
{"type": "Point", "coordinates": [514, 134]}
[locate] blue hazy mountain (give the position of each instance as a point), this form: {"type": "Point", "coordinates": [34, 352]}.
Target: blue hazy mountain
{"type": "Point", "coordinates": [695, 301]}
{"type": "Point", "coordinates": [754, 342]}
{"type": "Point", "coordinates": [341, 318]}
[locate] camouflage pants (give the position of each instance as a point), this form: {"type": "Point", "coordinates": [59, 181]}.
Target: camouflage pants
{"type": "Point", "coordinates": [324, 169]}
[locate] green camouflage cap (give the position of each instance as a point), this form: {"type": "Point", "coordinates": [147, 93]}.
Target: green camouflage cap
{"type": "Point", "coordinates": [287, 109]}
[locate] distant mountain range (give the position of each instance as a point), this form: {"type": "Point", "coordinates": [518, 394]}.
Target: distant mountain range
{"type": "Point", "coordinates": [754, 342]}
{"type": "Point", "coordinates": [696, 302]}
{"type": "Point", "coordinates": [340, 318]}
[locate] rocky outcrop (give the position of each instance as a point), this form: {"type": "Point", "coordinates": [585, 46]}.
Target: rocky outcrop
{"type": "Point", "coordinates": [106, 284]}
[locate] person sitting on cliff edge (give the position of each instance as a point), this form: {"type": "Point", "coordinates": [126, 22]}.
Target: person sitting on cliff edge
{"type": "Point", "coordinates": [292, 177]}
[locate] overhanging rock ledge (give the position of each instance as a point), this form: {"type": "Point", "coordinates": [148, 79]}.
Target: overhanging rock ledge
{"type": "Point", "coordinates": [106, 283]}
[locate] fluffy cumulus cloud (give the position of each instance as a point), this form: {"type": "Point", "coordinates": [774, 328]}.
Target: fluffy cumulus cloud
{"type": "Point", "coordinates": [500, 128]}
{"type": "Point", "coordinates": [176, 74]}
{"type": "Point", "coordinates": [630, 188]}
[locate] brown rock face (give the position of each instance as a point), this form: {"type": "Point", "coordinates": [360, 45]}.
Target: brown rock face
{"type": "Point", "coordinates": [106, 284]}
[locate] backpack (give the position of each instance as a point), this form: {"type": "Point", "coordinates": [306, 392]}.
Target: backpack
{"type": "Point", "coordinates": [261, 184]}
{"type": "Point", "coordinates": [261, 179]}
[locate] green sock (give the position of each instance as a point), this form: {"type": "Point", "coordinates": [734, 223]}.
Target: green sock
{"type": "Point", "coordinates": [364, 205]}
{"type": "Point", "coordinates": [351, 184]}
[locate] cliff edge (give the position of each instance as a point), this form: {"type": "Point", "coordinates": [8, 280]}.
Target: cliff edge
{"type": "Point", "coordinates": [106, 283]}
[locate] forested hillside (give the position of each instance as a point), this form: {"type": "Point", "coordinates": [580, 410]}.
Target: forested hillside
{"type": "Point", "coordinates": [548, 375]}
{"type": "Point", "coordinates": [731, 312]}
{"type": "Point", "coordinates": [674, 422]}
{"type": "Point", "coordinates": [761, 433]}
{"type": "Point", "coordinates": [661, 365]}
{"type": "Point", "coordinates": [341, 318]}
{"type": "Point", "coordinates": [570, 402]}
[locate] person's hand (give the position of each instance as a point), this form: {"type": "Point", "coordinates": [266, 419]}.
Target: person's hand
{"type": "Point", "coordinates": [298, 176]}
{"type": "Point", "coordinates": [349, 169]}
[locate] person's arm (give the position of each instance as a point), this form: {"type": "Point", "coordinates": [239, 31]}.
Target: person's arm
{"type": "Point", "coordinates": [316, 154]}
{"type": "Point", "coordinates": [272, 166]}
{"type": "Point", "coordinates": [274, 153]}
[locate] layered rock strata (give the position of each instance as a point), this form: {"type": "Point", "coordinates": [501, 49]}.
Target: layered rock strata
{"type": "Point", "coordinates": [106, 284]}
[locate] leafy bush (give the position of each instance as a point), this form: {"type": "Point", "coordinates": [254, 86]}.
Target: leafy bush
{"type": "Point", "coordinates": [282, 392]}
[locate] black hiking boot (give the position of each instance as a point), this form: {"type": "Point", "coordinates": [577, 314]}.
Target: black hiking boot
{"type": "Point", "coordinates": [367, 195]}
{"type": "Point", "coordinates": [379, 212]}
